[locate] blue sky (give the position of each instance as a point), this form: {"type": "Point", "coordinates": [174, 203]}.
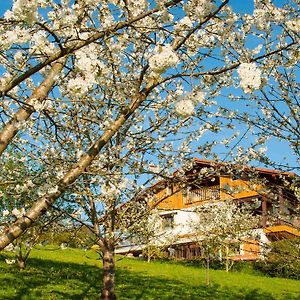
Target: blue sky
{"type": "Point", "coordinates": [5, 5]}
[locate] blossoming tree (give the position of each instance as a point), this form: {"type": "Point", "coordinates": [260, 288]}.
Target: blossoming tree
{"type": "Point", "coordinates": [220, 224]}
{"type": "Point", "coordinates": [93, 84]}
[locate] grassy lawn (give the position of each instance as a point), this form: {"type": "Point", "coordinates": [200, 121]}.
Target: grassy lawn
{"type": "Point", "coordinates": [75, 274]}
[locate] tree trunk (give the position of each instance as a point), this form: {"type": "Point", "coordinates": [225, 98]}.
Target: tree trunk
{"type": "Point", "coordinates": [207, 272]}
{"type": "Point", "coordinates": [149, 254]}
{"type": "Point", "coordinates": [227, 258]}
{"type": "Point", "coordinates": [207, 279]}
{"type": "Point", "coordinates": [41, 92]}
{"type": "Point", "coordinates": [21, 264]}
{"type": "Point", "coordinates": [108, 277]}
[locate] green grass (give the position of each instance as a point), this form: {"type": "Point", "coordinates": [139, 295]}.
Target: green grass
{"type": "Point", "coordinates": [75, 274]}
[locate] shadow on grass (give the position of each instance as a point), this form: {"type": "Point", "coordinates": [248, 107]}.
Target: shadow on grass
{"type": "Point", "coordinates": [139, 286]}
{"type": "Point", "coordinates": [45, 279]}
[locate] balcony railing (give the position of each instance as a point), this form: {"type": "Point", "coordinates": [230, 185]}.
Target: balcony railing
{"type": "Point", "coordinates": [202, 194]}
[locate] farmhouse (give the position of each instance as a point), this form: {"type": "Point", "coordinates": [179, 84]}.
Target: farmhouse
{"type": "Point", "coordinates": [266, 192]}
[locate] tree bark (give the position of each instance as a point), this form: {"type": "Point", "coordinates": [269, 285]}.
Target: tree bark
{"type": "Point", "coordinates": [149, 254]}
{"type": "Point", "coordinates": [23, 114]}
{"type": "Point", "coordinates": [108, 277]}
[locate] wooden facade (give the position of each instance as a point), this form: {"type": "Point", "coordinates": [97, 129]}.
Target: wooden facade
{"type": "Point", "coordinates": [175, 198]}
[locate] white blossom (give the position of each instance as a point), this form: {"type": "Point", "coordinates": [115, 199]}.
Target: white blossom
{"type": "Point", "coordinates": [186, 22]}
{"type": "Point", "coordinates": [154, 168]}
{"type": "Point", "coordinates": [250, 76]}
{"type": "Point", "coordinates": [24, 10]}
{"type": "Point", "coordinates": [40, 44]}
{"type": "Point", "coordinates": [165, 16]}
{"type": "Point", "coordinates": [294, 25]}
{"type": "Point", "coordinates": [37, 105]}
{"type": "Point", "coordinates": [184, 107]}
{"type": "Point", "coordinates": [9, 247]}
{"type": "Point", "coordinates": [53, 190]}
{"type": "Point", "coordinates": [29, 183]}
{"type": "Point", "coordinates": [79, 154]}
{"type": "Point", "coordinates": [262, 150]}
{"type": "Point", "coordinates": [199, 97]}
{"type": "Point", "coordinates": [18, 57]}
{"type": "Point", "coordinates": [164, 58]}
{"type": "Point", "coordinates": [78, 86]}
{"type": "Point", "coordinates": [18, 212]}
{"type": "Point", "coordinates": [110, 191]}
{"type": "Point", "coordinates": [199, 8]}
{"type": "Point", "coordinates": [87, 61]}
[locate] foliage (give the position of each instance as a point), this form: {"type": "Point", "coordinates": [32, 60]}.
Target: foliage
{"type": "Point", "coordinates": [153, 252]}
{"type": "Point", "coordinates": [73, 274]}
{"type": "Point", "coordinates": [73, 236]}
{"type": "Point", "coordinates": [283, 260]}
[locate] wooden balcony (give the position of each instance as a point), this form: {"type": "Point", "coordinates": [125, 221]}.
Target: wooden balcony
{"type": "Point", "coordinates": [211, 193]}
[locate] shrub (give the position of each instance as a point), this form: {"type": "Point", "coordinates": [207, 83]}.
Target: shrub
{"type": "Point", "coordinates": [153, 252]}
{"type": "Point", "coordinates": [283, 260]}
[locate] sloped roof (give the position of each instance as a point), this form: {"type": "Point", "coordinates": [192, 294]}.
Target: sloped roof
{"type": "Point", "coordinates": [212, 163]}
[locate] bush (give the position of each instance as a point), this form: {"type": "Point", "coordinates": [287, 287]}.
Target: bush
{"type": "Point", "coordinates": [283, 260]}
{"type": "Point", "coordinates": [72, 237]}
{"type": "Point", "coordinates": [153, 252]}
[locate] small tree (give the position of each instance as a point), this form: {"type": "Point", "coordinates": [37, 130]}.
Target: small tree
{"type": "Point", "coordinates": [151, 237]}
{"type": "Point", "coordinates": [23, 245]}
{"type": "Point", "coordinates": [100, 210]}
{"type": "Point", "coordinates": [220, 224]}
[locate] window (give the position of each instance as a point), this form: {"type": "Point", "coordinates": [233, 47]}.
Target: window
{"type": "Point", "coordinates": [167, 221]}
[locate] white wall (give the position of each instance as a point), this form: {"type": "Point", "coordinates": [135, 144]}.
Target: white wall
{"type": "Point", "coordinates": [182, 228]}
